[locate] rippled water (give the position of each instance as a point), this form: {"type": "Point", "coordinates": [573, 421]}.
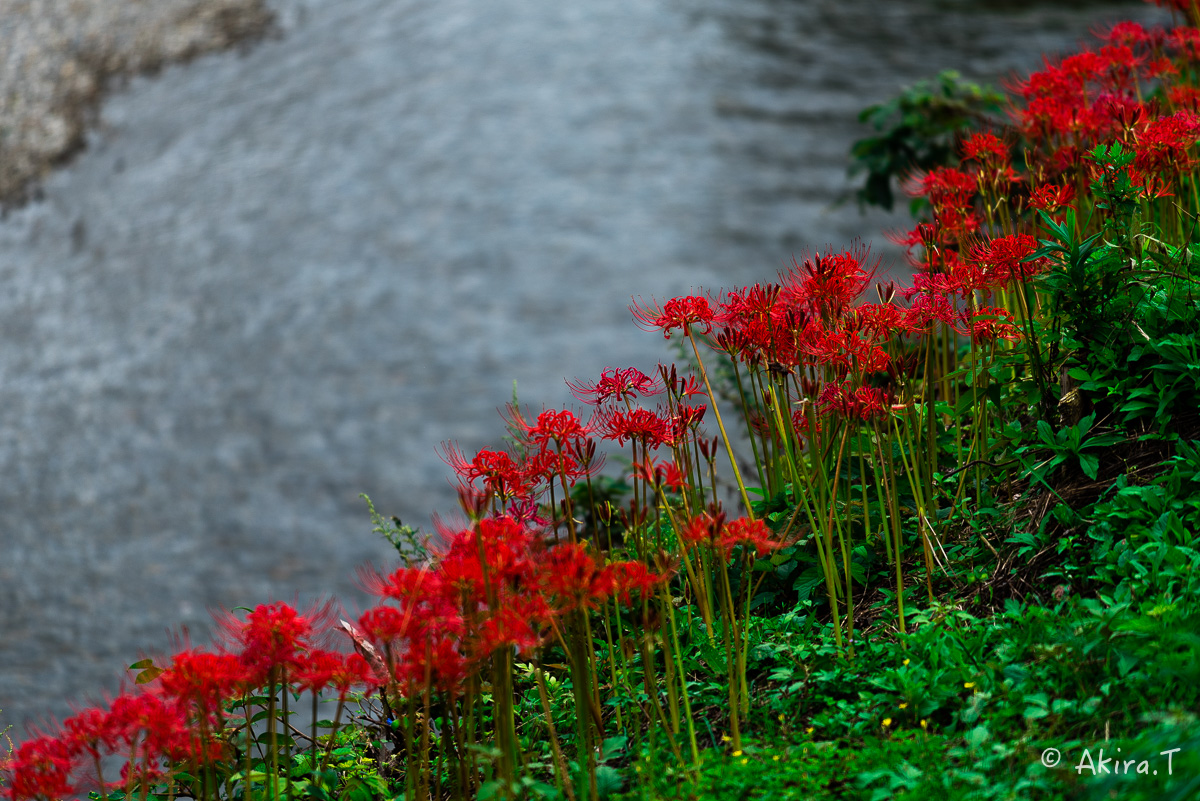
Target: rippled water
{"type": "Point", "coordinates": [278, 279]}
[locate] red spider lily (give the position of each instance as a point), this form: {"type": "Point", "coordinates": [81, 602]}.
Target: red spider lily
{"type": "Point", "coordinates": [429, 663]}
{"type": "Point", "coordinates": [570, 578]}
{"type": "Point", "coordinates": [937, 283]}
{"type": "Point", "coordinates": [385, 624]}
{"type": "Point", "coordinates": [40, 769]}
{"type": "Point", "coordinates": [405, 635]}
{"type": "Point", "coordinates": [951, 194]}
{"type": "Point", "coordinates": [751, 306]}
{"type": "Point", "coordinates": [862, 403]}
{"type": "Point", "coordinates": [573, 462]}
{"type": "Point", "coordinates": [995, 172]}
{"type": "Point", "coordinates": [323, 670]}
{"type": "Point", "coordinates": [273, 636]}
{"type": "Point", "coordinates": [757, 324]}
{"type": "Point", "coordinates": [989, 324]}
{"type": "Point", "coordinates": [1050, 198]}
{"type": "Point", "coordinates": [750, 533]}
{"type": "Point", "coordinates": [504, 545]}
{"type": "Point", "coordinates": [1004, 258]}
{"type": "Point", "coordinates": [665, 474]}
{"type": "Point", "coordinates": [825, 285]}
{"type": "Point", "coordinates": [496, 470]}
{"type": "Point", "coordinates": [619, 384]}
{"type": "Point", "coordinates": [1164, 144]}
{"type": "Point", "coordinates": [1186, 41]}
{"type": "Point", "coordinates": [882, 321]}
{"type": "Point", "coordinates": [678, 388]}
{"type": "Point", "coordinates": [634, 580]}
{"type": "Point", "coordinates": [1132, 34]}
{"type": "Point", "coordinates": [89, 731]}
{"type": "Point", "coordinates": [639, 425]}
{"type": "Point", "coordinates": [681, 313]}
{"type": "Point", "coordinates": [943, 187]}
{"type": "Point", "coordinates": [508, 628]}
{"type": "Point", "coordinates": [1086, 98]}
{"type": "Point", "coordinates": [986, 148]}
{"type": "Point", "coordinates": [685, 419]}
{"type": "Point", "coordinates": [689, 387]}
{"type": "Point", "coordinates": [805, 425]}
{"type": "Point", "coordinates": [160, 729]}
{"type": "Point", "coordinates": [527, 512]}
{"type": "Point", "coordinates": [1161, 69]}
{"type": "Point", "coordinates": [703, 529]}
{"type": "Point", "coordinates": [927, 309]}
{"type": "Point", "coordinates": [561, 427]}
{"type": "Point", "coordinates": [404, 583]}
{"type": "Point", "coordinates": [205, 680]}
{"type": "Point", "coordinates": [318, 669]}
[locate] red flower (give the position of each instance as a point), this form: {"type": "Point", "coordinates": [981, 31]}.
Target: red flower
{"type": "Point", "coordinates": [634, 580]}
{"type": "Point", "coordinates": [1164, 144]}
{"type": "Point", "coordinates": [826, 285]}
{"type": "Point", "coordinates": [508, 628]}
{"type": "Point", "coordinates": [496, 470]}
{"type": "Point", "coordinates": [1050, 198]}
{"type": "Point", "coordinates": [989, 324]}
{"type": "Point", "coordinates": [862, 403]}
{"type": "Point", "coordinates": [558, 426]}
{"type": "Point", "coordinates": [1132, 34]}
{"type": "Point", "coordinates": [1005, 258]}
{"type": "Point", "coordinates": [704, 528]}
{"type": "Point", "coordinates": [571, 578]}
{"type": "Point", "coordinates": [204, 680]}
{"type": "Point", "coordinates": [661, 473]}
{"type": "Point", "coordinates": [272, 636]}
{"type": "Point", "coordinates": [640, 425]}
{"type": "Point", "coordinates": [40, 769]}
{"type": "Point", "coordinates": [986, 148]}
{"type": "Point", "coordinates": [750, 533]}
{"type": "Point", "coordinates": [160, 729]}
{"type": "Point", "coordinates": [619, 384]}
{"type": "Point", "coordinates": [681, 313]}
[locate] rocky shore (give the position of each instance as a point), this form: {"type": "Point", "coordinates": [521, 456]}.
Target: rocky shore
{"type": "Point", "coordinates": [57, 57]}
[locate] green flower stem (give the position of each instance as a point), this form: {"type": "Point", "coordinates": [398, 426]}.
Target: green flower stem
{"type": "Point", "coordinates": [737, 474]}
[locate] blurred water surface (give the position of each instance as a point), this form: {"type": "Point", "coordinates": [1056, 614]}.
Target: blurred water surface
{"type": "Point", "coordinates": [278, 279]}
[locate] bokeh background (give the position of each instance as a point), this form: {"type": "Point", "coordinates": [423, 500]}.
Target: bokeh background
{"type": "Point", "coordinates": [280, 274]}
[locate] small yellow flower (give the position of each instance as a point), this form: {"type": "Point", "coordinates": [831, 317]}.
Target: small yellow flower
{"type": "Point", "coordinates": [968, 684]}
{"type": "Point", "coordinates": [737, 753]}
{"type": "Point", "coordinates": [745, 761]}
{"type": "Point", "coordinates": [725, 738]}
{"type": "Point", "coordinates": [781, 717]}
{"type": "Point", "coordinates": [775, 758]}
{"type": "Point", "coordinates": [924, 725]}
{"type": "Point", "coordinates": [809, 730]}
{"type": "Point", "coordinates": [887, 722]}
{"type": "Point", "coordinates": [904, 705]}
{"type": "Point", "coordinates": [906, 663]}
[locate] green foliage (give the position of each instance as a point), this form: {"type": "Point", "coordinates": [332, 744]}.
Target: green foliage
{"type": "Point", "coordinates": [410, 543]}
{"type": "Point", "coordinates": [917, 131]}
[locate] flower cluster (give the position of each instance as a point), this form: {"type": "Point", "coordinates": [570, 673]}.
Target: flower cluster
{"type": "Point", "coordinates": [176, 718]}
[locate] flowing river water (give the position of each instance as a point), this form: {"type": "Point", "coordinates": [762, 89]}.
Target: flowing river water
{"type": "Point", "coordinates": [280, 278]}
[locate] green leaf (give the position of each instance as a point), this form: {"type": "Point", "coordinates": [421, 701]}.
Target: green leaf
{"type": "Point", "coordinates": [1090, 464]}
{"type": "Point", "coordinates": [148, 675]}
